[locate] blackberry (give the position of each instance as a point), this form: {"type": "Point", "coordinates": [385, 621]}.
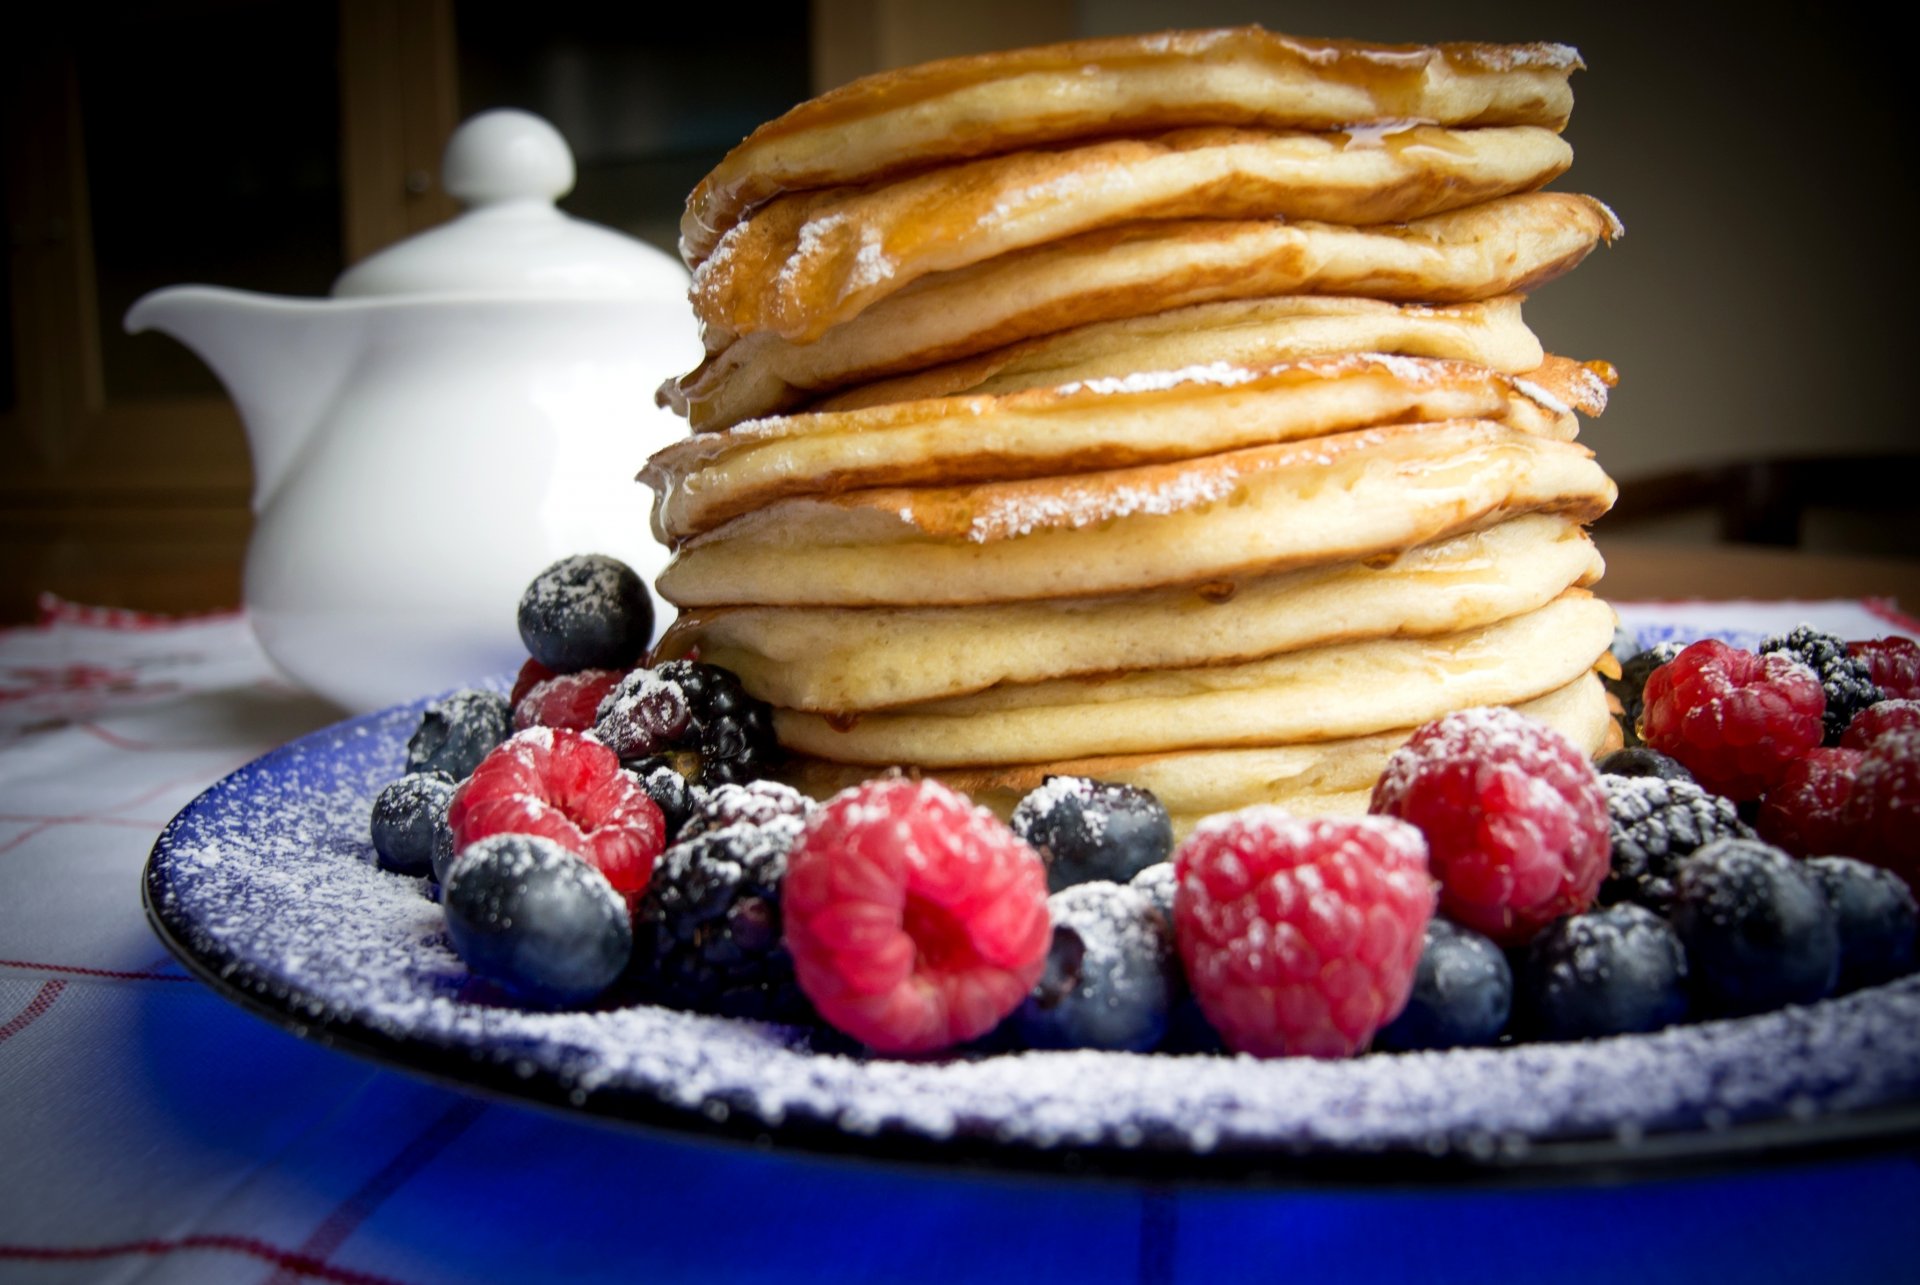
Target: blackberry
{"type": "Point", "coordinates": [708, 931]}
{"type": "Point", "coordinates": [1462, 993]}
{"type": "Point", "coordinates": [1846, 679]}
{"type": "Point", "coordinates": [672, 793]}
{"type": "Point", "coordinates": [1111, 973]}
{"type": "Point", "coordinates": [1758, 930]}
{"type": "Point", "coordinates": [692, 713]}
{"type": "Point", "coordinates": [756, 803]}
{"type": "Point", "coordinates": [1608, 972]}
{"type": "Point", "coordinates": [1086, 830]}
{"type": "Point", "coordinates": [457, 731]}
{"type": "Point", "coordinates": [1641, 761]}
{"type": "Point", "coordinates": [1652, 823]}
{"type": "Point", "coordinates": [1631, 686]}
{"type": "Point", "coordinates": [408, 815]}
{"type": "Point", "coordinates": [528, 914]}
{"type": "Point", "coordinates": [586, 612]}
{"type": "Point", "coordinates": [1876, 916]}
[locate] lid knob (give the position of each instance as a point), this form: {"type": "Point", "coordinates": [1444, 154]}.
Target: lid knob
{"type": "Point", "coordinates": [507, 155]}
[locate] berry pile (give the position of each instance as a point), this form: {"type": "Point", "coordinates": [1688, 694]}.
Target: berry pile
{"type": "Point", "coordinates": [608, 834]}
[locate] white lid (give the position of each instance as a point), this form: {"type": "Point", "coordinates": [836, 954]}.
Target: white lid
{"type": "Point", "coordinates": [508, 167]}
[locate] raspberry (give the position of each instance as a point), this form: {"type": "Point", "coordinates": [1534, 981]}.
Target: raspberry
{"type": "Point", "coordinates": [565, 700]}
{"type": "Point", "coordinates": [1875, 721]}
{"type": "Point", "coordinates": [1631, 686]}
{"type": "Point", "coordinates": [1515, 822]}
{"type": "Point", "coordinates": [1736, 720]}
{"type": "Point", "coordinates": [1300, 935]}
{"type": "Point", "coordinates": [697, 710]}
{"type": "Point", "coordinates": [1804, 813]}
{"type": "Point", "coordinates": [1846, 681]}
{"type": "Point", "coordinates": [1883, 814]}
{"type": "Point", "coordinates": [1894, 664]}
{"type": "Point", "coordinates": [916, 920]}
{"type": "Point", "coordinates": [567, 787]}
{"type": "Point", "coordinates": [532, 674]}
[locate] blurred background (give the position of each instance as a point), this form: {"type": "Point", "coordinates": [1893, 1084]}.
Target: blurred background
{"type": "Point", "coordinates": [1758, 308]}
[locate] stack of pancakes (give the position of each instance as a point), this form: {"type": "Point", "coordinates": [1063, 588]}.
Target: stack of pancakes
{"type": "Point", "coordinates": [1157, 409]}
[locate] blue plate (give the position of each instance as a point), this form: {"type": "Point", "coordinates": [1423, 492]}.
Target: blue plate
{"type": "Point", "coordinates": [265, 887]}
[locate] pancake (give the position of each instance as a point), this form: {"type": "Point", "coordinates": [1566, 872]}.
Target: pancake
{"type": "Point", "coordinates": [1499, 247]}
{"type": "Point", "coordinates": [1323, 778]}
{"type": "Point", "coordinates": [920, 117]}
{"type": "Point", "coordinates": [1242, 332]}
{"type": "Point", "coordinates": [1331, 499]}
{"type": "Point", "coordinates": [812, 260]}
{"type": "Point", "coordinates": [1076, 428]}
{"type": "Point", "coordinates": [839, 660]}
{"type": "Point", "coordinates": [1317, 694]}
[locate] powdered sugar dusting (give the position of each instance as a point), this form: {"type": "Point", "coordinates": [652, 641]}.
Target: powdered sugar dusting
{"type": "Point", "coordinates": [268, 880]}
{"type": "Point", "coordinates": [1074, 505]}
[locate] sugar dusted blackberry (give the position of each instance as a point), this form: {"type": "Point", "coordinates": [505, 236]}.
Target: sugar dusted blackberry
{"type": "Point", "coordinates": [756, 803]}
{"type": "Point", "coordinates": [1876, 915]}
{"type": "Point", "coordinates": [1462, 993]}
{"type": "Point", "coordinates": [586, 612]}
{"type": "Point", "coordinates": [684, 708]}
{"type": "Point", "coordinates": [1652, 823]}
{"type": "Point", "coordinates": [708, 932]}
{"type": "Point", "coordinates": [676, 797]}
{"type": "Point", "coordinates": [1608, 972]}
{"type": "Point", "coordinates": [1631, 686]}
{"type": "Point", "coordinates": [1759, 931]}
{"type": "Point", "coordinates": [408, 815]}
{"type": "Point", "coordinates": [1111, 975]}
{"type": "Point", "coordinates": [1846, 679]}
{"type": "Point", "coordinates": [1085, 830]}
{"type": "Point", "coordinates": [457, 731]}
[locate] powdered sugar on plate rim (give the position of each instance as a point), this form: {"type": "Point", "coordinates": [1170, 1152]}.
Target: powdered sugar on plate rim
{"type": "Point", "coordinates": [265, 886]}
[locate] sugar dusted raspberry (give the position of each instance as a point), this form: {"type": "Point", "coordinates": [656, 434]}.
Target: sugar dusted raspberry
{"type": "Point", "coordinates": [1894, 663]}
{"type": "Point", "coordinates": [567, 787]}
{"type": "Point", "coordinates": [1736, 720]}
{"type": "Point", "coordinates": [565, 700]}
{"type": "Point", "coordinates": [1875, 721]}
{"type": "Point", "coordinates": [1883, 813]}
{"type": "Point", "coordinates": [1300, 936]}
{"type": "Point", "coordinates": [532, 674]}
{"type": "Point", "coordinates": [1513, 814]}
{"type": "Point", "coordinates": [1805, 812]}
{"type": "Point", "coordinates": [916, 920]}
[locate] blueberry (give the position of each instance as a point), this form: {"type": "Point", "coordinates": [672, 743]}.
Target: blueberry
{"type": "Point", "coordinates": [1875, 912]}
{"type": "Point", "coordinates": [1608, 972]}
{"type": "Point", "coordinates": [1086, 830]}
{"type": "Point", "coordinates": [457, 731]}
{"type": "Point", "coordinates": [1462, 993]}
{"type": "Point", "coordinates": [1111, 973]}
{"type": "Point", "coordinates": [537, 919]}
{"type": "Point", "coordinates": [1641, 761]}
{"type": "Point", "coordinates": [408, 814]}
{"type": "Point", "coordinates": [1758, 931]}
{"type": "Point", "coordinates": [1158, 882]}
{"type": "Point", "coordinates": [586, 612]}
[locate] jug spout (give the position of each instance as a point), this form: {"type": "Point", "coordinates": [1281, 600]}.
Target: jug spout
{"type": "Point", "coordinates": [281, 361]}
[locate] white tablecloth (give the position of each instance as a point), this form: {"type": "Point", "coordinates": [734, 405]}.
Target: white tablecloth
{"type": "Point", "coordinates": [149, 1130]}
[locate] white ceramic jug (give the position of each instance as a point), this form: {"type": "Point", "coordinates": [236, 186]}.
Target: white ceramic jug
{"type": "Point", "coordinates": [469, 405]}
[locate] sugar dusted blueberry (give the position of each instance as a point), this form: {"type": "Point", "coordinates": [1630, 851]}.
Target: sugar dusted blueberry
{"type": "Point", "coordinates": [1875, 912]}
{"type": "Point", "coordinates": [408, 815]}
{"type": "Point", "coordinates": [1462, 993]}
{"type": "Point", "coordinates": [1616, 971]}
{"type": "Point", "coordinates": [1086, 830]}
{"type": "Point", "coordinates": [588, 611]}
{"type": "Point", "coordinates": [457, 731]}
{"type": "Point", "coordinates": [1758, 930]}
{"type": "Point", "coordinates": [524, 912]}
{"type": "Point", "coordinates": [1111, 974]}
